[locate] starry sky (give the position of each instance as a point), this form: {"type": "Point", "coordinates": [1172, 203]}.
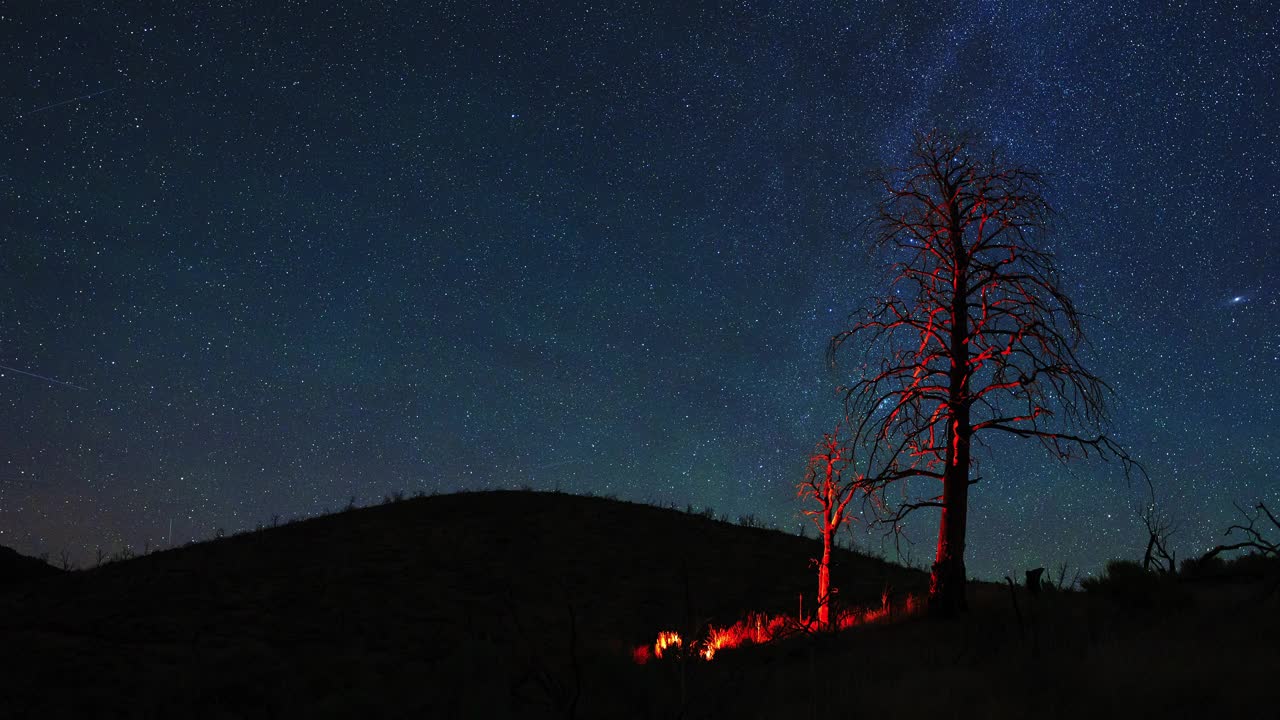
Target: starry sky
{"type": "Point", "coordinates": [259, 258]}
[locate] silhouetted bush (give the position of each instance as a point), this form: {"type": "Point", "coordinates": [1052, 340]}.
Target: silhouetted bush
{"type": "Point", "coordinates": [1120, 575]}
{"type": "Point", "coordinates": [1127, 584]}
{"type": "Point", "coordinates": [1203, 567]}
{"type": "Point", "coordinates": [1251, 566]}
{"type": "Point", "coordinates": [1254, 565]}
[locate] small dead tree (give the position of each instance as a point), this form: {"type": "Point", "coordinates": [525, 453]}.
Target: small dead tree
{"type": "Point", "coordinates": [825, 485]}
{"type": "Point", "coordinates": [1160, 528]}
{"type": "Point", "coordinates": [1058, 579]}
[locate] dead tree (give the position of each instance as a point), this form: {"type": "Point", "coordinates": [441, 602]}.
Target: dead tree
{"type": "Point", "coordinates": [1160, 528]}
{"type": "Point", "coordinates": [973, 336]}
{"type": "Point", "coordinates": [824, 483]}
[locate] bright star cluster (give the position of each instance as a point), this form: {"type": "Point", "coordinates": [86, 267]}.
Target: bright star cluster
{"type": "Point", "coordinates": [262, 258]}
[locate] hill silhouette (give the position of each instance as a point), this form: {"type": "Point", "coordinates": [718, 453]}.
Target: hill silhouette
{"type": "Point", "coordinates": [522, 604]}
{"type": "Point", "coordinates": [399, 606]}
{"type": "Point", "coordinates": [16, 568]}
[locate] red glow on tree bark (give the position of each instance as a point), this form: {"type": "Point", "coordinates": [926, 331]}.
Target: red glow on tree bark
{"type": "Point", "coordinates": [973, 336]}
{"type": "Point", "coordinates": [824, 483]}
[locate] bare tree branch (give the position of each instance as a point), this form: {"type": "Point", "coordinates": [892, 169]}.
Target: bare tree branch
{"type": "Point", "coordinates": [1254, 538]}
{"type": "Point", "coordinates": [973, 336]}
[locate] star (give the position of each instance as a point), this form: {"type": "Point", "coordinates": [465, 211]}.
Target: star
{"type": "Point", "coordinates": [282, 300]}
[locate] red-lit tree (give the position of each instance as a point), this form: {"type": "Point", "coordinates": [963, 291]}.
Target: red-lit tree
{"type": "Point", "coordinates": [974, 336]}
{"type": "Point", "coordinates": [824, 483]}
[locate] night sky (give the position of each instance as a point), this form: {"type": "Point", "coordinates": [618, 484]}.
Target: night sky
{"type": "Point", "coordinates": [260, 258]}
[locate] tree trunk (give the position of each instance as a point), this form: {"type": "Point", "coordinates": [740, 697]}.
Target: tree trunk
{"type": "Point", "coordinates": [824, 579]}
{"type": "Point", "coordinates": [829, 527]}
{"type": "Point", "coordinates": [947, 581]}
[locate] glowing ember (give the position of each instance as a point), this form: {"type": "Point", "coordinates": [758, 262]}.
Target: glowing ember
{"type": "Point", "coordinates": [758, 628]}
{"type": "Point", "coordinates": [717, 639]}
{"type": "Point", "coordinates": [665, 640]}
{"type": "Point", "coordinates": [755, 628]}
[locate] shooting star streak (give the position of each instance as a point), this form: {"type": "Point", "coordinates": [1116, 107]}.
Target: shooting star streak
{"type": "Point", "coordinates": [42, 377]}
{"type": "Point", "coordinates": [64, 102]}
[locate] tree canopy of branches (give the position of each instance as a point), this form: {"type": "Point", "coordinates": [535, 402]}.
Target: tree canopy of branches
{"type": "Point", "coordinates": [973, 336]}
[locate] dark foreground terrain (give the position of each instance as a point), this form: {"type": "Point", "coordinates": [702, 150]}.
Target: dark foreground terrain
{"type": "Point", "coordinates": [518, 604]}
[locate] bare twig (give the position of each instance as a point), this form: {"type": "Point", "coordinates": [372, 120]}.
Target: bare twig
{"type": "Point", "coordinates": [1254, 539]}
{"type": "Point", "coordinates": [974, 337]}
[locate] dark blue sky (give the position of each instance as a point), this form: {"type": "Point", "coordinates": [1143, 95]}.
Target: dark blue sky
{"type": "Point", "coordinates": [293, 255]}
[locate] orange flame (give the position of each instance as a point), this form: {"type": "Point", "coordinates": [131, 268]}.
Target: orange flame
{"type": "Point", "coordinates": [718, 638]}
{"type": "Point", "coordinates": [755, 628]}
{"type": "Point", "coordinates": [666, 639]}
